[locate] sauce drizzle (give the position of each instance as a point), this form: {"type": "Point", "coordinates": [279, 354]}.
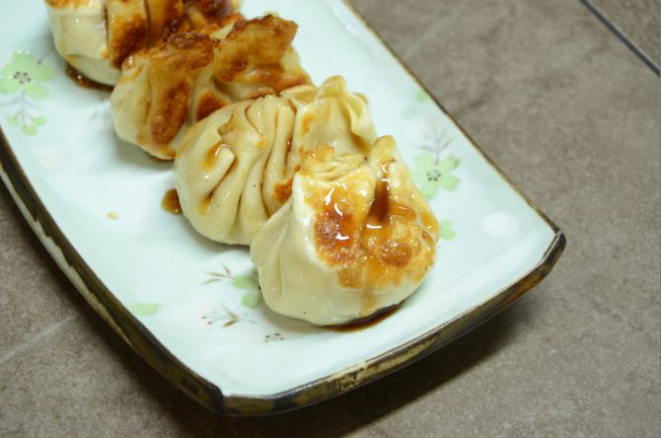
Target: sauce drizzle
{"type": "Point", "coordinates": [367, 322]}
{"type": "Point", "coordinates": [211, 156]}
{"type": "Point", "coordinates": [84, 81]}
{"type": "Point", "coordinates": [170, 202]}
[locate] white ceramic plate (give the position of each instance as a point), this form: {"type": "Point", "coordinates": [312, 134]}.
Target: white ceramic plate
{"type": "Point", "coordinates": [188, 305]}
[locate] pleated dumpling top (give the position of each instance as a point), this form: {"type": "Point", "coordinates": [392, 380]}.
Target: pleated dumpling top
{"type": "Point", "coordinates": [356, 237]}
{"type": "Point", "coordinates": [235, 168]}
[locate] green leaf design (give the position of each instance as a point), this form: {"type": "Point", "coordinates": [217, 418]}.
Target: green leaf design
{"type": "Point", "coordinates": [13, 120]}
{"type": "Point", "coordinates": [22, 61]}
{"type": "Point", "coordinates": [9, 85]}
{"type": "Point", "coordinates": [447, 164]}
{"type": "Point", "coordinates": [448, 182]}
{"type": "Point", "coordinates": [421, 96]}
{"type": "Point", "coordinates": [42, 72]}
{"type": "Point", "coordinates": [447, 234]}
{"type": "Point", "coordinates": [445, 230]}
{"type": "Point", "coordinates": [25, 73]}
{"type": "Point", "coordinates": [8, 69]}
{"type": "Point", "coordinates": [248, 282]}
{"type": "Point", "coordinates": [35, 91]}
{"type": "Point", "coordinates": [29, 129]}
{"type": "Point", "coordinates": [252, 299]}
{"type": "Point", "coordinates": [429, 189]}
{"type": "Point", "coordinates": [144, 308]}
{"type": "Point", "coordinates": [424, 163]}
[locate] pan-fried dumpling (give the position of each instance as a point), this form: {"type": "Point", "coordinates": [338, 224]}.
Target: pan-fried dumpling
{"type": "Point", "coordinates": [356, 237]}
{"type": "Point", "coordinates": [95, 36]}
{"type": "Point", "coordinates": [235, 168]}
{"type": "Point", "coordinates": [256, 58]}
{"type": "Point", "coordinates": [167, 17]}
{"type": "Point", "coordinates": [165, 89]}
{"type": "Point", "coordinates": [81, 38]}
{"type": "Point", "coordinates": [151, 102]}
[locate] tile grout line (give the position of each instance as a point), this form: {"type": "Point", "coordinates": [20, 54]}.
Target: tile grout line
{"type": "Point", "coordinates": [621, 36]}
{"type": "Point", "coordinates": [38, 337]}
{"type": "Point", "coordinates": [420, 41]}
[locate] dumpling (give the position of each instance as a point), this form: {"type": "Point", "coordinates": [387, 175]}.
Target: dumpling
{"type": "Point", "coordinates": [152, 100]}
{"type": "Point", "coordinates": [356, 237]}
{"type": "Point", "coordinates": [235, 168]}
{"type": "Point", "coordinates": [180, 82]}
{"type": "Point", "coordinates": [95, 36]}
{"type": "Point", "coordinates": [81, 37]}
{"type": "Point", "coordinates": [256, 58]}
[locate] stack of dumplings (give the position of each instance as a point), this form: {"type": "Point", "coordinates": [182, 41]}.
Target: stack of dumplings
{"type": "Point", "coordinates": [337, 230]}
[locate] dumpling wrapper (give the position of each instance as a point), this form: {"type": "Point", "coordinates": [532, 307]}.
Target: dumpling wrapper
{"type": "Point", "coordinates": [81, 37]}
{"type": "Point", "coordinates": [167, 88]}
{"type": "Point", "coordinates": [356, 237]}
{"type": "Point", "coordinates": [257, 59]}
{"type": "Point", "coordinates": [235, 168]}
{"type": "Point", "coordinates": [96, 36]}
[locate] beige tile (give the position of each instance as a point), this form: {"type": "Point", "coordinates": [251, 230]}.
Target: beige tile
{"type": "Point", "coordinates": [77, 381]}
{"type": "Point", "coordinates": [572, 116]}
{"type": "Point", "coordinates": [33, 292]}
{"type": "Point", "coordinates": [566, 110]}
{"type": "Point", "coordinates": [406, 22]}
{"type": "Point", "coordinates": [81, 380]}
{"type": "Point", "coordinates": [637, 19]}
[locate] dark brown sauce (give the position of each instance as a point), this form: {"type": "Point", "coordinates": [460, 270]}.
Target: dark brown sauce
{"type": "Point", "coordinates": [378, 214]}
{"type": "Point", "coordinates": [170, 202]}
{"type": "Point", "coordinates": [382, 207]}
{"type": "Point", "coordinates": [367, 322]}
{"type": "Point", "coordinates": [84, 81]}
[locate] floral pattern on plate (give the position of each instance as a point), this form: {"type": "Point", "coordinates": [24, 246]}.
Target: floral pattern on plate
{"type": "Point", "coordinates": [23, 79]}
{"type": "Point", "coordinates": [247, 282]}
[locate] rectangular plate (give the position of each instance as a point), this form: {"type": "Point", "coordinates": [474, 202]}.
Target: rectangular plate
{"type": "Point", "coordinates": [176, 298]}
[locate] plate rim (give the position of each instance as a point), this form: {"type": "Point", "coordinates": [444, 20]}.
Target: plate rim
{"type": "Point", "coordinates": [146, 345]}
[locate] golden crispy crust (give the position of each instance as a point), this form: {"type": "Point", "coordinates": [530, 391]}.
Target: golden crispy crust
{"type": "Point", "coordinates": [130, 38]}
{"type": "Point", "coordinates": [207, 104]}
{"type": "Point", "coordinates": [254, 50]}
{"type": "Point", "coordinates": [282, 191]}
{"type": "Point", "coordinates": [252, 34]}
{"type": "Point", "coordinates": [174, 67]}
{"type": "Point", "coordinates": [177, 91]}
{"type": "Point", "coordinates": [213, 8]}
{"type": "Point", "coordinates": [373, 245]}
{"type": "Point", "coordinates": [166, 17]}
{"type": "Point", "coordinates": [128, 28]}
